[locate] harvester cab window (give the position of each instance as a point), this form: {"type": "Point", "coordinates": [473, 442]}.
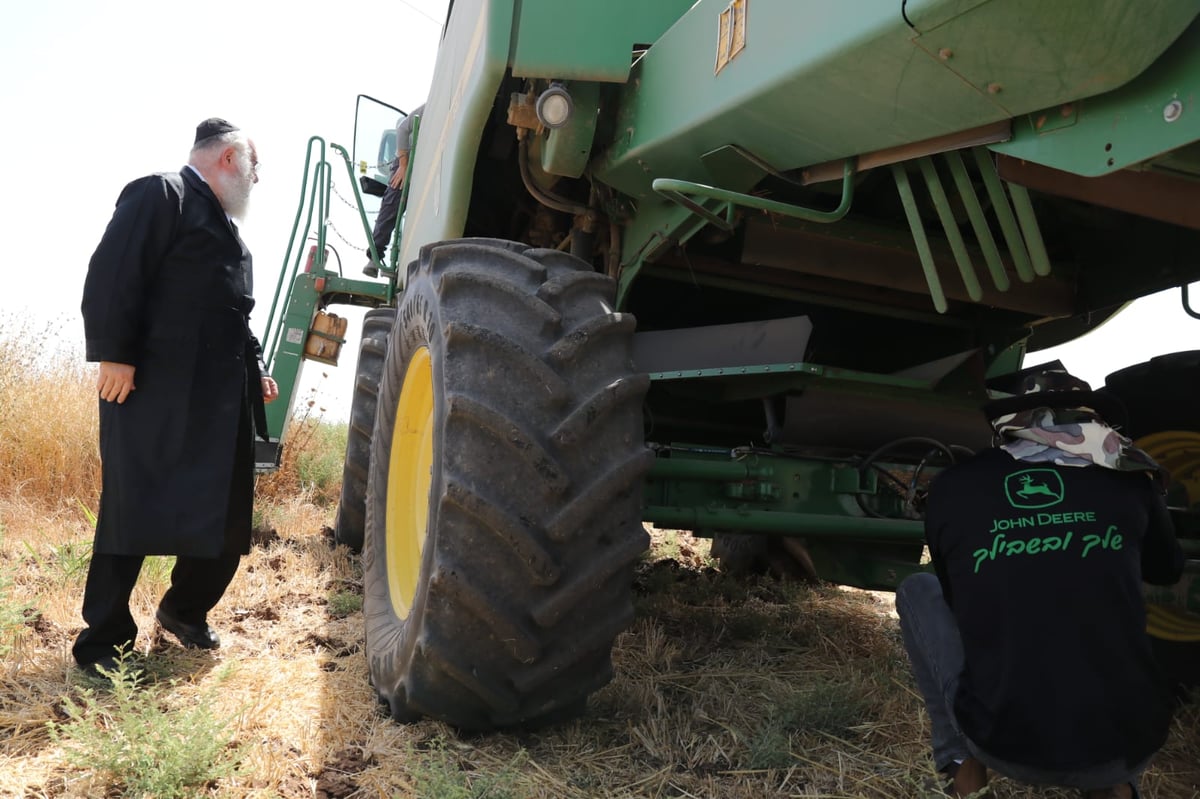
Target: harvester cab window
{"type": "Point", "coordinates": [374, 147]}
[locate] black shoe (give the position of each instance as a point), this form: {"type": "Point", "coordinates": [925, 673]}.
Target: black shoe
{"type": "Point", "coordinates": [371, 270]}
{"type": "Point", "coordinates": [102, 668]}
{"type": "Point", "coordinates": [110, 669]}
{"type": "Point", "coordinates": [192, 636]}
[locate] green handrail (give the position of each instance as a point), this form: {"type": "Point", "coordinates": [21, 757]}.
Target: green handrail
{"type": "Point", "coordinates": [358, 201]}
{"type": "Point", "coordinates": [393, 266]}
{"type": "Point", "coordinates": [682, 191]}
{"type": "Point", "coordinates": [314, 198]}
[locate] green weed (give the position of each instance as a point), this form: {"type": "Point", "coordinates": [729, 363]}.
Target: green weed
{"type": "Point", "coordinates": [344, 603]}
{"type": "Point", "coordinates": [157, 569]}
{"type": "Point", "coordinates": [312, 463]}
{"type": "Point", "coordinates": [821, 707]}
{"type": "Point", "coordinates": [65, 561]}
{"type": "Point", "coordinates": [132, 738]}
{"type": "Point", "coordinates": [824, 706]}
{"type": "Point", "coordinates": [770, 746]}
{"type": "Point", "coordinates": [12, 615]}
{"type": "Point", "coordinates": [436, 772]}
{"type": "Point", "coordinates": [319, 465]}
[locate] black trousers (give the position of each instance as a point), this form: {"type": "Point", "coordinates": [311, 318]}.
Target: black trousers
{"type": "Point", "coordinates": [389, 209]}
{"type": "Point", "coordinates": [197, 584]}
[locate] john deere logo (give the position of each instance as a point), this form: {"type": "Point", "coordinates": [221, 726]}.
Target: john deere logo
{"type": "Point", "coordinates": [1034, 488]}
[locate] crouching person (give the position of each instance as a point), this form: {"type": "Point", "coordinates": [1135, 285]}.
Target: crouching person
{"type": "Point", "coordinates": [1029, 645]}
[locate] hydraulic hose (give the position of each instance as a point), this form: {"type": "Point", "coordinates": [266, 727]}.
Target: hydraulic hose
{"type": "Point", "coordinates": [543, 196]}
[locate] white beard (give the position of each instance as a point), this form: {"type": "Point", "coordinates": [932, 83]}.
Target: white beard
{"type": "Point", "coordinates": [234, 190]}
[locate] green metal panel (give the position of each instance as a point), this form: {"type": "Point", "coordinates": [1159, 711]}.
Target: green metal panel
{"type": "Point", "coordinates": [1021, 51]}
{"type": "Point", "coordinates": [877, 567]}
{"type": "Point", "coordinates": [805, 370]}
{"type": "Point", "coordinates": [584, 39]}
{"type": "Point", "coordinates": [288, 356]}
{"type": "Point", "coordinates": [1157, 112]}
{"type": "Point", "coordinates": [566, 150]}
{"type": "Point", "coordinates": [470, 66]}
{"type": "Point", "coordinates": [784, 523]}
{"type": "Point", "coordinates": [308, 289]}
{"type": "Point", "coordinates": [820, 81]}
{"type": "Point", "coordinates": [767, 494]}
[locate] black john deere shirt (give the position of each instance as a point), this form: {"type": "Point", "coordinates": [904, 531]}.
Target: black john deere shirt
{"type": "Point", "coordinates": [1043, 567]}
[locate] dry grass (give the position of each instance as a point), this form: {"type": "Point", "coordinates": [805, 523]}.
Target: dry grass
{"type": "Point", "coordinates": [49, 458]}
{"type": "Point", "coordinates": [724, 688]}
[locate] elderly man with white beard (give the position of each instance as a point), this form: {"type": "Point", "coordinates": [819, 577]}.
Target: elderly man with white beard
{"type": "Point", "coordinates": [181, 383]}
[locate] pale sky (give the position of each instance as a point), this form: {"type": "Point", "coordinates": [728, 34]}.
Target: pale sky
{"type": "Point", "coordinates": [94, 95]}
{"type": "Point", "coordinates": [97, 94]}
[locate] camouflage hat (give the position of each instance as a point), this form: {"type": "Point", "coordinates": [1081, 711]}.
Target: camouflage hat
{"type": "Point", "coordinates": [1050, 386]}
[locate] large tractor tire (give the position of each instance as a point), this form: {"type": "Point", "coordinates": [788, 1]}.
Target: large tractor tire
{"type": "Point", "coordinates": [505, 492]}
{"type": "Point", "coordinates": [1163, 418]}
{"type": "Point", "coordinates": [352, 506]}
{"type": "Point", "coordinates": [1159, 396]}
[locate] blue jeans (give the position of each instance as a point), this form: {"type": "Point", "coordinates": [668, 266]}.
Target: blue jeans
{"type": "Point", "coordinates": [935, 650]}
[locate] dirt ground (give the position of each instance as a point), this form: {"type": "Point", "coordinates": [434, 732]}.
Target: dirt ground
{"type": "Point", "coordinates": [724, 688]}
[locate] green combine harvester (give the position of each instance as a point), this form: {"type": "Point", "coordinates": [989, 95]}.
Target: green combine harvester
{"type": "Point", "coordinates": [834, 224]}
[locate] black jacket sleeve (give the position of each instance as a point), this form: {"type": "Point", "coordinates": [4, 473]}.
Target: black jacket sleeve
{"type": "Point", "coordinates": [1162, 557]}
{"type": "Point", "coordinates": [123, 267]}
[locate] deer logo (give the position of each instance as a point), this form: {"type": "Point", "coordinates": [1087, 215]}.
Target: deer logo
{"type": "Point", "coordinates": [1034, 488]}
{"type": "Point", "coordinates": [1029, 488]}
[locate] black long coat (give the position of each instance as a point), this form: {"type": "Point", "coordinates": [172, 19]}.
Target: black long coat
{"type": "Point", "coordinates": [169, 291]}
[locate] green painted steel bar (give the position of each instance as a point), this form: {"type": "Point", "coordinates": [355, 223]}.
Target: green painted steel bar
{"type": "Point", "coordinates": [774, 292]}
{"type": "Point", "coordinates": [287, 358]}
{"type": "Point", "coordinates": [669, 188]}
{"type": "Point", "coordinates": [783, 523]}
{"type": "Point", "coordinates": [673, 189]}
{"type": "Point", "coordinates": [307, 291]}
{"type": "Point", "coordinates": [1029, 226]}
{"type": "Point", "coordinates": [1187, 303]}
{"type": "Point", "coordinates": [1004, 215]}
{"type": "Point", "coordinates": [983, 233]}
{"type": "Point", "coordinates": [358, 201]}
{"type": "Point", "coordinates": [719, 471]}
{"type": "Point", "coordinates": [799, 368]}
{"type": "Point", "coordinates": [941, 204]}
{"type": "Point", "coordinates": [1190, 546]}
{"type": "Point", "coordinates": [320, 189]}
{"type": "Point", "coordinates": [919, 238]}
{"type": "Point", "coordinates": [270, 342]}
{"type": "Point", "coordinates": [392, 267]}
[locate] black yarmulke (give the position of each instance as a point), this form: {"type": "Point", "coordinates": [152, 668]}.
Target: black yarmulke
{"type": "Point", "coordinates": [213, 126]}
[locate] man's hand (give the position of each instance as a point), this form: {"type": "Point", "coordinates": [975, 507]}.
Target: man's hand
{"type": "Point", "coordinates": [115, 381]}
{"type": "Point", "coordinates": [397, 179]}
{"type": "Point", "coordinates": [270, 389]}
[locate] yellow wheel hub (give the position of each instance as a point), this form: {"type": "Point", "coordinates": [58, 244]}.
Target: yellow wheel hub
{"type": "Point", "coordinates": [1178, 451]}
{"type": "Point", "coordinates": [410, 474]}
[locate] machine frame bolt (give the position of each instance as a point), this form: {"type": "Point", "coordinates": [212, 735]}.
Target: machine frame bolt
{"type": "Point", "coordinates": [1172, 111]}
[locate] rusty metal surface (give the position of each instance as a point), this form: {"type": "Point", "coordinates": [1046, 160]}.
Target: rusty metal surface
{"type": "Point", "coordinates": [1167, 198]}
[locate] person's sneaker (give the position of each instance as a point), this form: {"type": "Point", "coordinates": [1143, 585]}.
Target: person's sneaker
{"type": "Point", "coordinates": [371, 270]}
{"type": "Point", "coordinates": [192, 636]}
